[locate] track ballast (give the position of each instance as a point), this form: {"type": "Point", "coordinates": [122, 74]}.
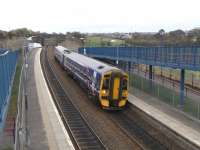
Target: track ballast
{"type": "Point", "coordinates": [82, 136]}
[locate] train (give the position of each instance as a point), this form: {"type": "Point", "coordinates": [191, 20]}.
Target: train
{"type": "Point", "coordinates": [106, 84]}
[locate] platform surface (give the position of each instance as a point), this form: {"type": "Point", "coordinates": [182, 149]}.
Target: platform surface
{"type": "Point", "coordinates": [44, 123]}
{"type": "Point", "coordinates": [171, 118]}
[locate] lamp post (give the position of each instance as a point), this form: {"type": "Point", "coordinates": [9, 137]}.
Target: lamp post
{"type": "Point", "coordinates": [83, 44]}
{"type": "Point", "coordinates": [83, 41]}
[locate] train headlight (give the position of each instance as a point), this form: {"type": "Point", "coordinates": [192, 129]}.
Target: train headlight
{"type": "Point", "coordinates": [122, 103]}
{"type": "Point", "coordinates": [125, 93]}
{"type": "Point", "coordinates": [104, 91]}
{"type": "Point", "coordinates": [105, 103]}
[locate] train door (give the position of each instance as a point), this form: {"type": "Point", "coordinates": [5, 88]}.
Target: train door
{"type": "Point", "coordinates": [94, 79]}
{"type": "Point", "coordinates": [63, 59]}
{"type": "Point", "coordinates": [105, 92]}
{"type": "Point", "coordinates": [116, 86]}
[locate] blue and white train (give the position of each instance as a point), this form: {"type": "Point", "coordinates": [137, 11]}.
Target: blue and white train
{"type": "Point", "coordinates": [105, 83]}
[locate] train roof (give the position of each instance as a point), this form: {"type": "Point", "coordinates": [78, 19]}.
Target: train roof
{"type": "Point", "coordinates": [90, 62]}
{"type": "Point", "coordinates": [61, 48]}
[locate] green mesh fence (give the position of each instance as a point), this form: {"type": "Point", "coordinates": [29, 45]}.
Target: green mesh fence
{"type": "Point", "coordinates": [167, 95]}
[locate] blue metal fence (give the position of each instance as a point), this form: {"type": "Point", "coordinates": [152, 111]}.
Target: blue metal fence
{"type": "Point", "coordinates": [8, 61]}
{"type": "Point", "coordinates": [174, 57]}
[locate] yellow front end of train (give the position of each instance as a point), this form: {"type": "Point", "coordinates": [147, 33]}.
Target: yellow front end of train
{"type": "Point", "coordinates": [114, 90]}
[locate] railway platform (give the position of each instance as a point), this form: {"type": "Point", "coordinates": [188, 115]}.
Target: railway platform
{"type": "Point", "coordinates": [181, 124]}
{"type": "Point", "coordinates": [46, 130]}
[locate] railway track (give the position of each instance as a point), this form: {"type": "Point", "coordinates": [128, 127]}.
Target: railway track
{"type": "Point", "coordinates": [136, 132]}
{"type": "Point", "coordinates": [83, 137]}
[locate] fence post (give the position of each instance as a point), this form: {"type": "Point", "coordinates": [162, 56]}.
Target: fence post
{"type": "Point", "coordinates": [192, 79]}
{"type": "Point", "coordinates": [182, 76]}
{"type": "Point", "coordinates": [173, 97]}
{"type": "Point", "coordinates": [150, 72]}
{"type": "Point", "coordinates": [142, 83]}
{"type": "Point", "coordinates": [198, 113]}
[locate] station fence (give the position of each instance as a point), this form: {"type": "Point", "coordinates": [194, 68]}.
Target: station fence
{"type": "Point", "coordinates": [8, 61]}
{"type": "Point", "coordinates": [162, 89]}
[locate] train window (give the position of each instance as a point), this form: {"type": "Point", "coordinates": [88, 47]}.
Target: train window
{"type": "Point", "coordinates": [67, 51]}
{"type": "Point", "coordinates": [98, 82]}
{"type": "Point", "coordinates": [124, 84]}
{"type": "Point", "coordinates": [107, 76]}
{"type": "Point", "coordinates": [105, 84]}
{"type": "Point", "coordinates": [100, 67]}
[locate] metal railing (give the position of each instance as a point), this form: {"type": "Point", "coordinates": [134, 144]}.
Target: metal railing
{"type": "Point", "coordinates": [187, 57]}
{"type": "Point", "coordinates": [8, 61]}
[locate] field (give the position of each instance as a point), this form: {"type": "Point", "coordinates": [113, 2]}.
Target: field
{"type": "Point", "coordinates": [191, 77]}
{"type": "Point", "coordinates": [71, 44]}
{"type": "Point", "coordinates": [96, 41]}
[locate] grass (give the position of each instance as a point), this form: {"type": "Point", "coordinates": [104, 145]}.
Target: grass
{"type": "Point", "coordinates": [95, 41]}
{"type": "Point", "coordinates": [12, 110]}
{"type": "Point", "coordinates": [164, 94]}
{"type": "Point", "coordinates": [8, 147]}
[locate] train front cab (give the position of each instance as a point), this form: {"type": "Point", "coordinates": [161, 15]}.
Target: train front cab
{"type": "Point", "coordinates": [114, 90]}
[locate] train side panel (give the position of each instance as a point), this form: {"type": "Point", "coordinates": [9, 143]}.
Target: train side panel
{"type": "Point", "coordinates": [87, 76]}
{"type": "Point", "coordinates": [59, 54]}
{"type": "Point", "coordinates": [78, 71]}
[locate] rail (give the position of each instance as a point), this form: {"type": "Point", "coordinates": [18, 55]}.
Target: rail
{"type": "Point", "coordinates": [83, 137]}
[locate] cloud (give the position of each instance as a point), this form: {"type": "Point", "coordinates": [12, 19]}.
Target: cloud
{"type": "Point", "coordinates": [99, 15]}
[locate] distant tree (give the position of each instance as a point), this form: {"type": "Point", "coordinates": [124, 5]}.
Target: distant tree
{"type": "Point", "coordinates": [54, 34]}
{"type": "Point", "coordinates": [61, 37]}
{"type": "Point", "coordinates": [3, 35]}
{"type": "Point", "coordinates": [177, 37]}
{"type": "Point", "coordinates": [161, 32]}
{"type": "Point", "coordinates": [177, 33]}
{"type": "Point", "coordinates": [22, 32]}
{"type": "Point", "coordinates": [160, 37]}
{"type": "Point", "coordinates": [67, 33]}
{"type": "Point", "coordinates": [198, 40]}
{"type": "Point", "coordinates": [194, 32]}
{"type": "Point", "coordinates": [11, 34]}
{"type": "Point", "coordinates": [77, 35]}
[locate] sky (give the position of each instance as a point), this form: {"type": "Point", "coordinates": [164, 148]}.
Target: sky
{"type": "Point", "coordinates": [99, 15]}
